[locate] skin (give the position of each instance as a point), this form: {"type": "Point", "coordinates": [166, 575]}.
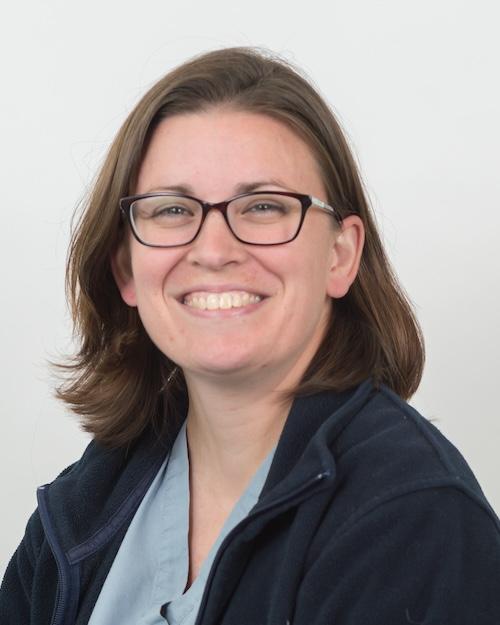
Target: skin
{"type": "Point", "coordinates": [235, 361]}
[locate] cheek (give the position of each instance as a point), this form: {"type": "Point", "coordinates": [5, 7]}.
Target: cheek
{"type": "Point", "coordinates": [151, 268]}
{"type": "Point", "coordinates": [308, 267]}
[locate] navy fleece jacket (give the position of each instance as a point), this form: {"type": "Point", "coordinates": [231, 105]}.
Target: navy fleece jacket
{"type": "Point", "coordinates": [369, 516]}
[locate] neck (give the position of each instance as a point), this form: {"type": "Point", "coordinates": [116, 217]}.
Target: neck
{"type": "Point", "coordinates": [230, 432]}
{"type": "Point", "coordinates": [234, 420]}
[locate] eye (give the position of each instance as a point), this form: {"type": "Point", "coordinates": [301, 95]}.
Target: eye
{"type": "Point", "coordinates": [266, 207]}
{"type": "Point", "coordinates": [165, 211]}
{"type": "Point", "coordinates": [171, 210]}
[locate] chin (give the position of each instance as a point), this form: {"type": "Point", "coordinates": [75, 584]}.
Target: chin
{"type": "Point", "coordinates": [230, 365]}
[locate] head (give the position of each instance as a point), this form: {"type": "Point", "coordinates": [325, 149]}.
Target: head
{"type": "Point", "coordinates": [185, 292]}
{"type": "Point", "coordinates": [360, 323]}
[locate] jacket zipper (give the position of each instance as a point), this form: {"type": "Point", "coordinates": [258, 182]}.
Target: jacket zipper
{"type": "Point", "coordinates": [63, 578]}
{"type": "Point", "coordinates": [243, 523]}
{"type": "Point", "coordinates": [68, 586]}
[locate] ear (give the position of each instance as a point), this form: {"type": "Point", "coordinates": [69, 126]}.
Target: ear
{"type": "Point", "coordinates": [347, 250]}
{"type": "Point", "coordinates": [122, 273]}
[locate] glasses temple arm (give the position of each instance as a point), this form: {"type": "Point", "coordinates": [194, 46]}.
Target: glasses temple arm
{"type": "Point", "coordinates": [326, 207]}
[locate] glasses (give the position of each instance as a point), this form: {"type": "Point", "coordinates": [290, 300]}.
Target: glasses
{"type": "Point", "coordinates": [258, 218]}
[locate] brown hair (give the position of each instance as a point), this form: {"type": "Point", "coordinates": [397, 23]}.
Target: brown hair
{"type": "Point", "coordinates": [119, 381]}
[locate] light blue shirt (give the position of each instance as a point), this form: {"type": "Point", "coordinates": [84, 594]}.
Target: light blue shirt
{"type": "Point", "coordinates": [152, 565]}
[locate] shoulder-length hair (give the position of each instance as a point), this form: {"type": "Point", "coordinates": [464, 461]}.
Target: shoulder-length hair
{"type": "Point", "coordinates": [119, 382]}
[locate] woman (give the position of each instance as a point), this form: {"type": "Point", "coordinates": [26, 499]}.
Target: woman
{"type": "Point", "coordinates": [246, 353]}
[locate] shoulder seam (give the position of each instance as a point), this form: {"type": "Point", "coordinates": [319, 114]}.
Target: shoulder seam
{"type": "Point", "coordinates": [413, 487]}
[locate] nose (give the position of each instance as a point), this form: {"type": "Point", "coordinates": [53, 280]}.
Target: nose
{"type": "Point", "coordinates": [215, 245]}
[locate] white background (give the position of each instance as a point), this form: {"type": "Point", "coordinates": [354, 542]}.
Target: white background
{"type": "Point", "coordinates": [415, 85]}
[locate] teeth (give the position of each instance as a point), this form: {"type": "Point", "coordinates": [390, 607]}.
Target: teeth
{"type": "Point", "coordinates": [213, 302]}
{"type": "Point", "coordinates": [216, 301]}
{"type": "Point", "coordinates": [225, 300]}
{"type": "Point", "coordinates": [236, 300]}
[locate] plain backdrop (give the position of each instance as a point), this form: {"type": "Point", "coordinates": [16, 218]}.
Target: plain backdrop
{"type": "Point", "coordinates": [415, 86]}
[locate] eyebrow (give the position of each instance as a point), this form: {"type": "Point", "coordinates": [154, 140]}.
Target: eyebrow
{"type": "Point", "coordinates": [242, 187]}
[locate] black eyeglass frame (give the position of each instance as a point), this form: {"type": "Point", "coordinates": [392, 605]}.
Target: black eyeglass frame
{"type": "Point", "coordinates": [306, 202]}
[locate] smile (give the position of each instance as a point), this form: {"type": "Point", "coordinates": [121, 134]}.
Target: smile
{"type": "Point", "coordinates": [204, 300]}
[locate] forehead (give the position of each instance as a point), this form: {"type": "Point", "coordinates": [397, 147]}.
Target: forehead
{"type": "Point", "coordinates": [216, 150]}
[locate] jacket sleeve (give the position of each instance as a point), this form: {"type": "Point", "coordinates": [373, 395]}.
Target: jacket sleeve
{"type": "Point", "coordinates": [430, 557]}
{"type": "Point", "coordinates": [16, 588]}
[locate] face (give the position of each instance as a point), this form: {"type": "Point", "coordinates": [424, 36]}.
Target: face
{"type": "Point", "coordinates": [211, 153]}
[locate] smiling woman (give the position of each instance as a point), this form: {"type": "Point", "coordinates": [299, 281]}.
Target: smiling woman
{"type": "Point", "coordinates": [246, 356]}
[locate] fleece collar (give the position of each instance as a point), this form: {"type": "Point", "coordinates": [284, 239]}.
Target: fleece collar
{"type": "Point", "coordinates": [87, 504]}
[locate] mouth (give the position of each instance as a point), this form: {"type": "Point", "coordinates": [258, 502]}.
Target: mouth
{"type": "Point", "coordinates": [207, 300]}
